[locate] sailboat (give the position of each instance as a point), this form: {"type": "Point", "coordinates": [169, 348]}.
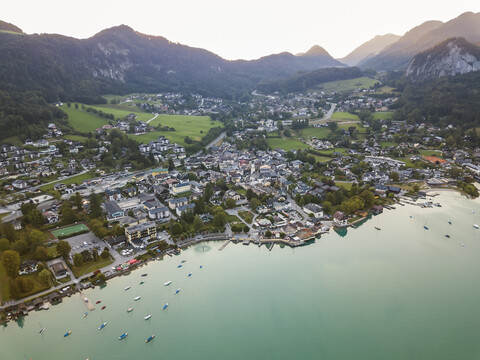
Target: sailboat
{"type": "Point", "coordinates": [42, 330]}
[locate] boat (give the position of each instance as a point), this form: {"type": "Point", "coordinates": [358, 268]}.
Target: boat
{"type": "Point", "coordinates": [177, 291]}
{"type": "Point", "coordinates": [102, 326]}
{"type": "Point", "coordinates": [201, 266]}
{"type": "Point", "coordinates": [98, 301]}
{"type": "Point", "coordinates": [144, 274]}
{"type": "Point", "coordinates": [130, 309]}
{"type": "Point", "coordinates": [450, 222]}
{"type": "Point", "coordinates": [167, 283]}
{"type": "Point", "coordinates": [165, 306]}
{"type": "Point", "coordinates": [137, 298]}
{"type": "Point", "coordinates": [179, 266]}
{"type": "Point", "coordinates": [377, 228]}
{"type": "Point", "coordinates": [150, 339]}
{"type": "Point", "coordinates": [425, 227]}
{"type": "Point", "coordinates": [103, 307]}
{"type": "Point", "coordinates": [447, 236]}
{"type": "Point", "coordinates": [127, 287]}
{"type": "Point", "coordinates": [410, 216]}
{"type": "Point", "coordinates": [85, 315]}
{"type": "Point", "coordinates": [42, 330]}
{"type": "Point", "coordinates": [184, 261]}
{"type": "Point", "coordinates": [142, 282]}
{"type": "Point", "coordinates": [189, 274]}
{"type": "Point", "coordinates": [66, 334]}
{"type": "Point", "coordinates": [475, 226]}
{"type": "Point", "coordinates": [123, 336]}
{"type": "Point", "coordinates": [147, 317]}
{"type": "Point", "coordinates": [462, 244]}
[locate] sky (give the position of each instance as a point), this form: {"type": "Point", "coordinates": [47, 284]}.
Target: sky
{"type": "Point", "coordinates": [241, 29]}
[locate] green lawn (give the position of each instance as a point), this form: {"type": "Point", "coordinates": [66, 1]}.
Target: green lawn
{"type": "Point", "coordinates": [73, 180]}
{"type": "Point", "coordinates": [122, 111]}
{"type": "Point", "coordinates": [91, 266]}
{"type": "Point", "coordinates": [83, 121]}
{"type": "Point", "coordinates": [247, 216]}
{"type": "Point", "coordinates": [286, 144]}
{"type": "Point", "coordinates": [13, 140]}
{"type": "Point", "coordinates": [347, 85]}
{"type": "Point", "coordinates": [385, 90]}
{"type": "Point", "coordinates": [321, 158]}
{"type": "Point", "coordinates": [337, 115]}
{"type": "Point", "coordinates": [195, 127]}
{"type": "Point", "coordinates": [384, 144]}
{"type": "Point", "coordinates": [233, 219]}
{"type": "Point", "coordinates": [76, 138]}
{"type": "Point", "coordinates": [319, 133]}
{"type": "Point", "coordinates": [385, 115]}
{"type": "Point", "coordinates": [344, 184]}
{"type": "Point", "coordinates": [436, 153]}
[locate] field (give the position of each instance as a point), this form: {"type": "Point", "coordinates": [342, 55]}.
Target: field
{"type": "Point", "coordinates": [91, 266]}
{"type": "Point", "coordinates": [319, 133]}
{"type": "Point", "coordinates": [385, 90]}
{"type": "Point", "coordinates": [83, 121]}
{"type": "Point", "coordinates": [347, 85]}
{"type": "Point", "coordinates": [69, 230]}
{"type": "Point", "coordinates": [79, 138]}
{"type": "Point", "coordinates": [286, 144]}
{"type": "Point", "coordinates": [195, 127]}
{"type": "Point", "coordinates": [344, 116]}
{"type": "Point", "coordinates": [385, 115]}
{"type": "Point", "coordinates": [72, 180]}
{"type": "Point", "coordinates": [122, 111]}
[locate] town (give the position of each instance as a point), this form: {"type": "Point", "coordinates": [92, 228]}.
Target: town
{"type": "Point", "coordinates": [79, 207]}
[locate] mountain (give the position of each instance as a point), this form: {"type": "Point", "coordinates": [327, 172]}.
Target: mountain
{"type": "Point", "coordinates": [121, 60]}
{"type": "Point", "coordinates": [4, 26]}
{"type": "Point", "coordinates": [398, 55]}
{"type": "Point", "coordinates": [369, 49]}
{"type": "Point", "coordinates": [451, 57]}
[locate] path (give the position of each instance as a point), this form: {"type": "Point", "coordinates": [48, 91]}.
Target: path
{"type": "Point", "coordinates": [148, 121]}
{"type": "Point", "coordinates": [327, 117]}
{"type": "Point", "coordinates": [213, 142]}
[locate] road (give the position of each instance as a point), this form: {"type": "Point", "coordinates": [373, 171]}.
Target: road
{"type": "Point", "coordinates": [220, 137]}
{"type": "Point", "coordinates": [327, 117]}
{"type": "Point", "coordinates": [148, 121]}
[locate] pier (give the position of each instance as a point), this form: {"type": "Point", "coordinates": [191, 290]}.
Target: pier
{"type": "Point", "coordinates": [271, 246]}
{"type": "Point", "coordinates": [87, 302]}
{"type": "Point", "coordinates": [224, 245]}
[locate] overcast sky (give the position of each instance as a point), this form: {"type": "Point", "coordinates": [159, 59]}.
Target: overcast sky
{"type": "Point", "coordinates": [241, 29]}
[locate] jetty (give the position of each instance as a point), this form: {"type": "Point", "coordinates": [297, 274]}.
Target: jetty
{"type": "Point", "coordinates": [86, 301]}
{"type": "Point", "coordinates": [224, 245]}
{"type": "Point", "coordinates": [271, 246]}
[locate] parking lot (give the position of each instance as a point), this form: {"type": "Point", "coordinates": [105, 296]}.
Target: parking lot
{"type": "Point", "coordinates": [86, 241]}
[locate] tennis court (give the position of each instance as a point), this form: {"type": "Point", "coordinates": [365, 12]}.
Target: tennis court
{"type": "Point", "coordinates": [69, 230]}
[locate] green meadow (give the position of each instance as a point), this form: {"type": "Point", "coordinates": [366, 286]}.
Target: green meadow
{"type": "Point", "coordinates": [286, 144]}
{"type": "Point", "coordinates": [337, 115]}
{"type": "Point", "coordinates": [385, 115]}
{"type": "Point", "coordinates": [347, 85]}
{"type": "Point", "coordinates": [83, 121]}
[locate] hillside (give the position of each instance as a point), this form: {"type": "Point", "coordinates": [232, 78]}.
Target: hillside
{"type": "Point", "coordinates": [4, 26]}
{"type": "Point", "coordinates": [451, 57]}
{"type": "Point", "coordinates": [120, 60]}
{"type": "Point", "coordinates": [398, 55]}
{"type": "Point", "coordinates": [369, 49]}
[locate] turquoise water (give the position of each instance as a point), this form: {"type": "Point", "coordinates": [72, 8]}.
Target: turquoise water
{"type": "Point", "coordinates": [399, 293]}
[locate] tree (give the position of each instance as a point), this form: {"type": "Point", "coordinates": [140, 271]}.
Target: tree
{"type": "Point", "coordinates": [250, 194]}
{"type": "Point", "coordinates": [63, 248]}
{"type": "Point", "coordinates": [35, 238]}
{"type": "Point", "coordinates": [8, 231]}
{"type": "Point", "coordinates": [87, 255]}
{"type": "Point", "coordinates": [287, 133]}
{"type": "Point", "coordinates": [41, 253]}
{"type": "Point", "coordinates": [11, 262]}
{"type": "Point", "coordinates": [246, 229]}
{"type": "Point", "coordinates": [95, 254]}
{"type": "Point", "coordinates": [197, 223]}
{"type": "Point", "coordinates": [394, 176]}
{"type": "Point", "coordinates": [171, 165]}
{"type": "Point", "coordinates": [231, 203]}
{"type": "Point", "coordinates": [354, 204]}
{"type": "Point", "coordinates": [95, 202]}
{"type": "Point", "coordinates": [208, 192]}
{"type": "Point", "coordinates": [333, 126]}
{"type": "Point", "coordinates": [220, 219]}
{"type": "Point", "coordinates": [77, 200]}
{"type": "Point", "coordinates": [105, 254]}
{"type": "Point", "coordinates": [368, 198]}
{"type": "Point", "coordinates": [268, 234]}
{"type": "Point", "coordinates": [77, 259]}
{"type": "Point", "coordinates": [254, 204]}
{"type": "Point", "coordinates": [4, 244]}
{"type": "Point", "coordinates": [45, 276]}
{"type": "Point", "coordinates": [176, 228]}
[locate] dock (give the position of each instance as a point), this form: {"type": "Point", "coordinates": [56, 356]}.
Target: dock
{"type": "Point", "coordinates": [224, 245]}
{"type": "Point", "coordinates": [87, 302]}
{"type": "Point", "coordinates": [271, 246]}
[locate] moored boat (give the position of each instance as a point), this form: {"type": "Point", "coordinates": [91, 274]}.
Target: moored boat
{"type": "Point", "coordinates": [464, 245]}
{"type": "Point", "coordinates": [85, 315]}
{"type": "Point", "coordinates": [42, 330]}
{"type": "Point", "coordinates": [98, 301]}
{"type": "Point", "coordinates": [123, 336]}
{"type": "Point", "coordinates": [201, 266]}
{"type": "Point", "coordinates": [425, 227]}
{"type": "Point", "coordinates": [103, 307]}
{"type": "Point", "coordinates": [142, 282]}
{"type": "Point", "coordinates": [377, 228]}
{"type": "Point", "coordinates": [189, 274]}
{"type": "Point", "coordinates": [475, 226]}
{"type": "Point", "coordinates": [184, 261]}
{"type": "Point", "coordinates": [137, 298]}
{"type": "Point", "coordinates": [447, 236]}
{"type": "Point", "coordinates": [150, 339]}
{"type": "Point", "coordinates": [102, 326]}
{"type": "Point", "coordinates": [127, 287]}
{"type": "Point", "coordinates": [66, 334]}
{"type": "Point", "coordinates": [147, 317]}
{"type": "Point", "coordinates": [177, 291]}
{"type": "Point", "coordinates": [130, 309]}
{"type": "Point", "coordinates": [165, 306]}
{"type": "Point", "coordinates": [179, 266]}
{"type": "Point", "coordinates": [144, 274]}
{"type": "Point", "coordinates": [167, 283]}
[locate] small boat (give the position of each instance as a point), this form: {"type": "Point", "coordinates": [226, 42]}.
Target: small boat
{"type": "Point", "coordinates": [144, 274]}
{"type": "Point", "coordinates": [179, 266]}
{"type": "Point", "coordinates": [103, 307]}
{"type": "Point", "coordinates": [142, 282]}
{"type": "Point", "coordinates": [410, 216]}
{"type": "Point", "coordinates": [201, 266]}
{"type": "Point", "coordinates": [150, 339]}
{"type": "Point", "coordinates": [165, 306]}
{"type": "Point", "coordinates": [42, 330]}
{"type": "Point", "coordinates": [123, 336]}
{"type": "Point", "coordinates": [447, 236]}
{"type": "Point", "coordinates": [147, 317]}
{"type": "Point", "coordinates": [98, 301]}
{"type": "Point", "coordinates": [102, 326]}
{"type": "Point", "coordinates": [450, 222]}
{"type": "Point", "coordinates": [189, 274]}
{"type": "Point", "coordinates": [177, 291]}
{"type": "Point", "coordinates": [167, 283]}
{"type": "Point", "coordinates": [462, 244]}
{"type": "Point", "coordinates": [66, 334]}
{"type": "Point", "coordinates": [127, 287]}
{"type": "Point", "coordinates": [184, 261]}
{"type": "Point", "coordinates": [137, 298]}
{"type": "Point", "coordinates": [425, 227]}
{"type": "Point", "coordinates": [475, 226]}
{"type": "Point", "coordinates": [377, 228]}
{"type": "Point", "coordinates": [85, 315]}
{"type": "Point", "coordinates": [130, 309]}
